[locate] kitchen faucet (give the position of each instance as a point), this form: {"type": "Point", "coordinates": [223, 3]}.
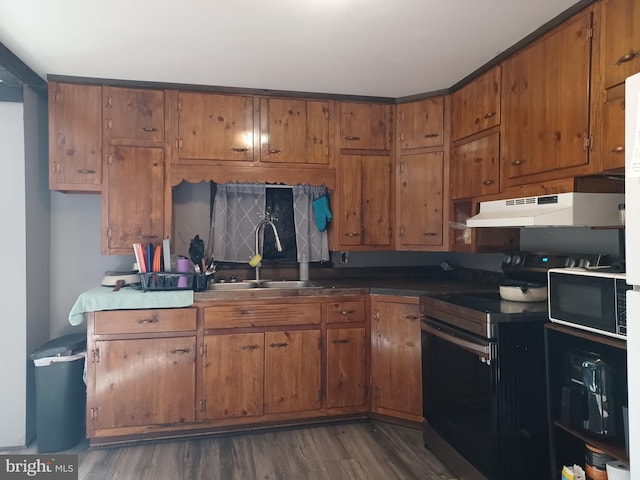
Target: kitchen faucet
{"type": "Point", "coordinates": [257, 258]}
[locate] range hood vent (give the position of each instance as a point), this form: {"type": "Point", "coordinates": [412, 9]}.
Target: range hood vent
{"type": "Point", "coordinates": [573, 209]}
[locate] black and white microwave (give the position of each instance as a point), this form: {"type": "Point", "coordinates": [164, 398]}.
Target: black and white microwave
{"type": "Point", "coordinates": [590, 299]}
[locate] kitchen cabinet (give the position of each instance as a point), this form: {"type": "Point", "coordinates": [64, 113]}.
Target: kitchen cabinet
{"type": "Point", "coordinates": [475, 166]}
{"type": "Point", "coordinates": [212, 127]}
{"type": "Point", "coordinates": [292, 371]}
{"type": "Point", "coordinates": [567, 441]}
{"type": "Point", "coordinates": [396, 366]}
{"type": "Point", "coordinates": [365, 126]}
{"type": "Point", "coordinates": [233, 376]}
{"type": "Point", "coordinates": [75, 137]}
{"type": "Point", "coordinates": [620, 40]}
{"type": "Point", "coordinates": [137, 361]}
{"type": "Point", "coordinates": [133, 198]}
{"type": "Point", "coordinates": [363, 202]}
{"type": "Point", "coordinates": [613, 129]}
{"type": "Point", "coordinates": [295, 131]}
{"type": "Point", "coordinates": [545, 130]}
{"type": "Point", "coordinates": [133, 116]}
{"type": "Point", "coordinates": [346, 353]}
{"type": "Point", "coordinates": [476, 106]}
{"type": "Point", "coordinates": [421, 124]}
{"type": "Point", "coordinates": [419, 209]}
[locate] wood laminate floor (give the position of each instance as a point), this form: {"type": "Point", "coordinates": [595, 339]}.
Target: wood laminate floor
{"type": "Point", "coordinates": [364, 450]}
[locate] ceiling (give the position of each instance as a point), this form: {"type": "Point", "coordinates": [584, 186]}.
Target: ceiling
{"type": "Point", "coordinates": [382, 48]}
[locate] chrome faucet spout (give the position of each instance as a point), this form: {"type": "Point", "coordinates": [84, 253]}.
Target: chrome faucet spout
{"type": "Point", "coordinates": [260, 226]}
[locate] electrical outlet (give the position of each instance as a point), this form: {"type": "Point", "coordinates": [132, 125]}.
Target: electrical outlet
{"type": "Point", "coordinates": [344, 258]}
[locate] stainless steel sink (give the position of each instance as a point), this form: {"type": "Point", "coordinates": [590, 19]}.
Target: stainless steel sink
{"type": "Point", "coordinates": [289, 284]}
{"type": "Point", "coordinates": [231, 286]}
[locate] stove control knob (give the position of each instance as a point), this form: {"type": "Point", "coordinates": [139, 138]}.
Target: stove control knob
{"type": "Point", "coordinates": [517, 259]}
{"type": "Point", "coordinates": [586, 263]}
{"type": "Point", "coordinates": [570, 262]}
{"type": "Point", "coordinates": [581, 263]}
{"type": "Point", "coordinates": [507, 259]}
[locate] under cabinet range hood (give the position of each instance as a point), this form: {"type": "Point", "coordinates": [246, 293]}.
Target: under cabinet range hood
{"type": "Point", "coordinates": [573, 209]}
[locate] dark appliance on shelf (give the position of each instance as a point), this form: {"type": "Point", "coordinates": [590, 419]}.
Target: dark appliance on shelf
{"type": "Point", "coordinates": [588, 401]}
{"type": "Point", "coordinates": [483, 368]}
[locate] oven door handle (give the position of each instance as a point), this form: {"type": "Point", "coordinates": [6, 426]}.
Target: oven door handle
{"type": "Point", "coordinates": [484, 351]}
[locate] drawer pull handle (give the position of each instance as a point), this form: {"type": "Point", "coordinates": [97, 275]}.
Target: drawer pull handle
{"type": "Point", "coordinates": [240, 149]}
{"type": "Point", "coordinates": [352, 138]}
{"type": "Point", "coordinates": [149, 236]}
{"type": "Point", "coordinates": [274, 150]}
{"type": "Point", "coordinates": [250, 347]}
{"type": "Point", "coordinates": [489, 115]}
{"type": "Point", "coordinates": [347, 312]}
{"type": "Point", "coordinates": [411, 317]}
{"type": "Point", "coordinates": [430, 234]}
{"type": "Point", "coordinates": [352, 234]}
{"type": "Point", "coordinates": [338, 341]}
{"type": "Point", "coordinates": [516, 163]}
{"type": "Point", "coordinates": [618, 149]}
{"type": "Point", "coordinates": [432, 135]}
{"type": "Point", "coordinates": [153, 319]}
{"type": "Point", "coordinates": [488, 182]}
{"type": "Point", "coordinates": [149, 129]}
{"type": "Point", "coordinates": [627, 57]}
{"type": "Point", "coordinates": [179, 350]}
{"type": "Point", "coordinates": [85, 171]}
{"type": "Point", "coordinates": [279, 345]}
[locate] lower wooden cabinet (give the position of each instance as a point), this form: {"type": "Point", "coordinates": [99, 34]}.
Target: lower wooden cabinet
{"type": "Point", "coordinates": [396, 357]}
{"type": "Point", "coordinates": [346, 367]}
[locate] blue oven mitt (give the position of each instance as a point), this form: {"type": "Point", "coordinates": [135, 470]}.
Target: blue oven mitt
{"type": "Point", "coordinates": [321, 212]}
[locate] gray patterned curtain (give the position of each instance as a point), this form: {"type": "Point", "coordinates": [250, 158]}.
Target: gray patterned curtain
{"type": "Point", "coordinates": [238, 208]}
{"type": "Point", "coordinates": [312, 244]}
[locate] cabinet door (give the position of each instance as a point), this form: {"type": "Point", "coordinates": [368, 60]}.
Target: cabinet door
{"type": "Point", "coordinates": [420, 204]}
{"type": "Point", "coordinates": [545, 115]}
{"type": "Point", "coordinates": [292, 371]}
{"type": "Point", "coordinates": [621, 40]}
{"type": "Point", "coordinates": [135, 115]}
{"type": "Point", "coordinates": [346, 367]}
{"type": "Point", "coordinates": [294, 131]}
{"type": "Point", "coordinates": [396, 358]}
{"type": "Point", "coordinates": [365, 126]}
{"type": "Point", "coordinates": [233, 376]}
{"type": "Point", "coordinates": [214, 127]}
{"type": "Point", "coordinates": [75, 137]}
{"type": "Point", "coordinates": [144, 382]}
{"type": "Point", "coordinates": [421, 123]}
{"type": "Point", "coordinates": [476, 106]}
{"type": "Point", "coordinates": [364, 188]}
{"type": "Point", "coordinates": [613, 130]}
{"type": "Point", "coordinates": [133, 201]}
{"type": "Point", "coordinates": [475, 167]}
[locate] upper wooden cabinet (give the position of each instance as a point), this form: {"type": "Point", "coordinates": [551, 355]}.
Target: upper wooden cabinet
{"type": "Point", "coordinates": [475, 167]}
{"type": "Point", "coordinates": [133, 198]}
{"type": "Point", "coordinates": [294, 131]}
{"type": "Point", "coordinates": [545, 105]}
{"type": "Point", "coordinates": [365, 126]}
{"type": "Point", "coordinates": [363, 202]}
{"type": "Point", "coordinates": [214, 127]}
{"type": "Point", "coordinates": [613, 129]}
{"type": "Point", "coordinates": [133, 115]}
{"type": "Point", "coordinates": [621, 40]}
{"type": "Point", "coordinates": [75, 137]}
{"type": "Point", "coordinates": [421, 123]}
{"type": "Point", "coordinates": [419, 208]}
{"type": "Point", "coordinates": [476, 106]}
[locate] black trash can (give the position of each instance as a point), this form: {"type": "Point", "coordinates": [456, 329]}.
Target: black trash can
{"type": "Point", "coordinates": [60, 392]}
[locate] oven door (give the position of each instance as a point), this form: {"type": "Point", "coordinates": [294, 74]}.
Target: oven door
{"type": "Point", "coordinates": [459, 376]}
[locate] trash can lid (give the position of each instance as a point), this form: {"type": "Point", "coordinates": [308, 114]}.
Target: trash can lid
{"type": "Point", "coordinates": [64, 345]}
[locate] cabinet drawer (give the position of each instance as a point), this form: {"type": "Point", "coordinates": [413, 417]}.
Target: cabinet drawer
{"type": "Point", "coordinates": [145, 321]}
{"type": "Point", "coordinates": [239, 316]}
{"type": "Point", "coordinates": [340, 312]}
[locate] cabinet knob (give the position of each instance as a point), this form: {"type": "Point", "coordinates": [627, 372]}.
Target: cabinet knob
{"type": "Point", "coordinates": [346, 312]}
{"type": "Point", "coordinates": [279, 345]}
{"type": "Point", "coordinates": [149, 129]}
{"type": "Point", "coordinates": [432, 135]}
{"type": "Point", "coordinates": [250, 347]}
{"type": "Point", "coordinates": [352, 138]}
{"type": "Point", "coordinates": [153, 319]}
{"type": "Point", "coordinates": [430, 234]}
{"type": "Point", "coordinates": [179, 350]}
{"type": "Point", "coordinates": [627, 57]}
{"type": "Point", "coordinates": [488, 182]}
{"type": "Point", "coordinates": [489, 115]}
{"type": "Point", "coordinates": [339, 341]}
{"type": "Point", "coordinates": [274, 150]}
{"type": "Point", "coordinates": [516, 163]}
{"type": "Point", "coordinates": [617, 149]}
{"type": "Point", "coordinates": [240, 149]}
{"type": "Point", "coordinates": [352, 234]}
{"type": "Point", "coordinates": [85, 171]}
{"type": "Point", "coordinates": [411, 317]}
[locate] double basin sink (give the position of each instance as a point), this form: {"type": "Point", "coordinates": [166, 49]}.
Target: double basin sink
{"type": "Point", "coordinates": [271, 284]}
